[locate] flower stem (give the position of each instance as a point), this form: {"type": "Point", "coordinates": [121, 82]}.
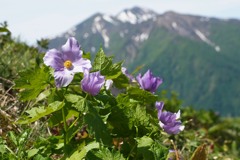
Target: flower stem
{"type": "Point", "coordinates": [64, 129]}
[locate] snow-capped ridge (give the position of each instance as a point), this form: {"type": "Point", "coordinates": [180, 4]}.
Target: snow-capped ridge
{"type": "Point", "coordinates": [98, 26]}
{"type": "Point", "coordinates": [135, 15]}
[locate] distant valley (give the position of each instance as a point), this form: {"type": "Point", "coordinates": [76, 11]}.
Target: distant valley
{"type": "Point", "coordinates": [198, 57]}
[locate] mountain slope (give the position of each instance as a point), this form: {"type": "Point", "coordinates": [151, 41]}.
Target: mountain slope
{"type": "Point", "coordinates": [197, 56]}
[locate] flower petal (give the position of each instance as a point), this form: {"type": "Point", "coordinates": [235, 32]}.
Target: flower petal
{"type": "Point", "coordinates": [53, 58]}
{"type": "Point", "coordinates": [159, 106]}
{"type": "Point", "coordinates": [92, 82]}
{"type": "Point", "coordinates": [63, 77]}
{"type": "Point", "coordinates": [81, 64]}
{"type": "Point", "coordinates": [71, 50]}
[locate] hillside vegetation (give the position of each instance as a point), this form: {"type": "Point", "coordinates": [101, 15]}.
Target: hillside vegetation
{"type": "Point", "coordinates": [206, 134]}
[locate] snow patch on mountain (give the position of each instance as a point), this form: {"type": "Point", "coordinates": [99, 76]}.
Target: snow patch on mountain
{"type": "Point", "coordinates": [140, 37]}
{"type": "Point", "coordinates": [206, 40]}
{"type": "Point", "coordinates": [174, 25]}
{"type": "Point", "coordinates": [98, 26]}
{"type": "Point", "coordinates": [85, 36]}
{"type": "Point", "coordinates": [136, 15]}
{"type": "Point", "coordinates": [108, 19]}
{"type": "Point", "coordinates": [127, 16]}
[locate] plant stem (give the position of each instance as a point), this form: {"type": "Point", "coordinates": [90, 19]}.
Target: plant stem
{"type": "Point", "coordinates": [65, 129]}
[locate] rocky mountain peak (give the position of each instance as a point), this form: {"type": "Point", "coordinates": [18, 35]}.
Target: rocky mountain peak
{"type": "Point", "coordinates": [136, 15]}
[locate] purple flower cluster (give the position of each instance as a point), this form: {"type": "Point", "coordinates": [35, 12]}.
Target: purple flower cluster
{"type": "Point", "coordinates": [169, 121]}
{"type": "Point", "coordinates": [69, 61]}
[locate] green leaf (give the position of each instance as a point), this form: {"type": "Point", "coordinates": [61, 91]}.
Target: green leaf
{"type": "Point", "coordinates": [40, 157]}
{"type": "Point", "coordinates": [151, 149]}
{"type": "Point", "coordinates": [84, 150]}
{"type": "Point", "coordinates": [73, 98]}
{"type": "Point", "coordinates": [32, 82]}
{"type": "Point", "coordinates": [112, 71]}
{"type": "Point", "coordinates": [80, 103]}
{"type": "Point", "coordinates": [121, 81]}
{"type": "Point", "coordinates": [200, 153]}
{"type": "Point", "coordinates": [2, 149]}
{"type": "Point", "coordinates": [39, 112]}
{"type": "Point", "coordinates": [144, 141]}
{"type": "Point", "coordinates": [43, 95]}
{"type": "Point", "coordinates": [99, 61]}
{"type": "Point", "coordinates": [141, 95]}
{"type": "Point", "coordinates": [106, 154]}
{"type": "Point", "coordinates": [86, 55]}
{"type": "Point", "coordinates": [159, 151]}
{"type": "Point", "coordinates": [3, 29]}
{"type": "Point", "coordinates": [32, 152]}
{"type": "Point", "coordinates": [144, 144]}
{"type": "Point", "coordinates": [97, 127]}
{"type": "Point", "coordinates": [105, 65]}
{"type": "Point", "coordinates": [13, 138]}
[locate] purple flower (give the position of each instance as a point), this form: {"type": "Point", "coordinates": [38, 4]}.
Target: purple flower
{"type": "Point", "coordinates": [92, 82]}
{"type": "Point", "coordinates": [148, 81]}
{"type": "Point", "coordinates": [66, 62]}
{"type": "Point", "coordinates": [169, 121]}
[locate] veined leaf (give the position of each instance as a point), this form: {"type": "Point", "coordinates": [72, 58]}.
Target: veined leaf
{"type": "Point", "coordinates": [73, 98]}
{"type": "Point", "coordinates": [106, 154]}
{"type": "Point", "coordinates": [97, 126]}
{"type": "Point", "coordinates": [80, 103]}
{"type": "Point", "coordinates": [32, 82]}
{"type": "Point", "coordinates": [144, 141]}
{"type": "Point", "coordinates": [105, 65]}
{"type": "Point", "coordinates": [84, 150]}
{"type": "Point", "coordinates": [141, 95]}
{"type": "Point", "coordinates": [99, 60]}
{"type": "Point", "coordinates": [39, 112]}
{"type": "Point", "coordinates": [159, 151]}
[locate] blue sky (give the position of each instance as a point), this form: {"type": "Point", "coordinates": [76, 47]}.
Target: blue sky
{"type": "Point", "coordinates": [34, 19]}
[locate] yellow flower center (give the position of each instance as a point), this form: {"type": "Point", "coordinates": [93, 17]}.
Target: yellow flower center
{"type": "Point", "coordinates": [67, 64]}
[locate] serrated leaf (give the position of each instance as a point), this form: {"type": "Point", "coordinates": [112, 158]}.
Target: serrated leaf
{"type": "Point", "coordinates": [80, 155]}
{"type": "Point", "coordinates": [40, 157]}
{"type": "Point", "coordinates": [141, 95]}
{"type": "Point", "coordinates": [73, 98]}
{"type": "Point", "coordinates": [112, 71]}
{"type": "Point", "coordinates": [106, 154]}
{"type": "Point", "coordinates": [159, 151]}
{"type": "Point", "coordinates": [121, 81]}
{"type": "Point", "coordinates": [105, 65]}
{"type": "Point", "coordinates": [97, 126]}
{"type": "Point", "coordinates": [80, 103]}
{"type": "Point", "coordinates": [43, 95]}
{"type": "Point", "coordinates": [32, 82]}
{"type": "Point", "coordinates": [143, 147]}
{"type": "Point", "coordinates": [99, 60]}
{"type": "Point", "coordinates": [39, 112]}
{"type": "Point", "coordinates": [144, 141]}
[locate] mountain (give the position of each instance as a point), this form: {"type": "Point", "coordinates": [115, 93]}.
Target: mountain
{"type": "Point", "coordinates": [197, 56]}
